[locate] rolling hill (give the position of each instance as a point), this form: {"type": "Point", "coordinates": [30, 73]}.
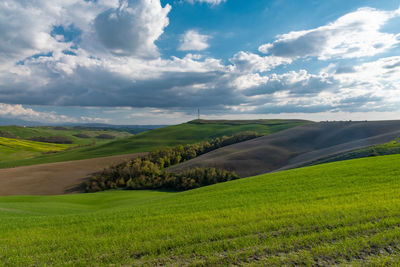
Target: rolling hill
{"type": "Point", "coordinates": [343, 213]}
{"type": "Point", "coordinates": [296, 147]}
{"type": "Point", "coordinates": [186, 133]}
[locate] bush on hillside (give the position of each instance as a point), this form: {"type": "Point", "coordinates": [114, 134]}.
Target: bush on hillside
{"type": "Point", "coordinates": [8, 134]}
{"type": "Point", "coordinates": [149, 176]}
{"type": "Point", "coordinates": [52, 139]}
{"type": "Point", "coordinates": [105, 136]}
{"type": "Point", "coordinates": [81, 135]}
{"type": "Point", "coordinates": [60, 128]}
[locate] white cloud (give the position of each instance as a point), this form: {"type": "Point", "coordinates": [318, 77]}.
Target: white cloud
{"type": "Point", "coordinates": [211, 2]}
{"type": "Point", "coordinates": [85, 119]}
{"type": "Point", "coordinates": [353, 35]}
{"type": "Point", "coordinates": [370, 86]}
{"type": "Point", "coordinates": [18, 111]}
{"type": "Point", "coordinates": [249, 62]}
{"type": "Point", "coordinates": [123, 28]}
{"type": "Point", "coordinates": [132, 28]}
{"type": "Point", "coordinates": [193, 41]}
{"type": "Point", "coordinates": [25, 26]}
{"type": "Point", "coordinates": [29, 114]}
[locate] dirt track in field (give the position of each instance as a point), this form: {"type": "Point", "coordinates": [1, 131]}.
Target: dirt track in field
{"type": "Point", "coordinates": [296, 146]}
{"type": "Point", "coordinates": [53, 178]}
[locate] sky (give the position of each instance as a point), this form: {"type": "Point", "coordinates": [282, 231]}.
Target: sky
{"type": "Point", "coordinates": [157, 62]}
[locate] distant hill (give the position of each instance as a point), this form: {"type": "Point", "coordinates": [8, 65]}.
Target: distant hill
{"type": "Point", "coordinates": [296, 146]}
{"type": "Point", "coordinates": [134, 129]}
{"type": "Point", "coordinates": [19, 122]}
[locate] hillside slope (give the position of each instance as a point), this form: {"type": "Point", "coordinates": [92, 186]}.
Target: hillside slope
{"type": "Point", "coordinates": [186, 133]}
{"type": "Point", "coordinates": [296, 147]}
{"type": "Point", "coordinates": [344, 213]}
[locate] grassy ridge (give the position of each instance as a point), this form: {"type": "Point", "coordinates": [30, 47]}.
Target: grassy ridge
{"type": "Point", "coordinates": [338, 213]}
{"type": "Point", "coordinates": [186, 133]}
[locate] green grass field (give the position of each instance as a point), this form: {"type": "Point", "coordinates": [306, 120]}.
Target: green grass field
{"type": "Point", "coordinates": [342, 213]}
{"type": "Point", "coordinates": [186, 133]}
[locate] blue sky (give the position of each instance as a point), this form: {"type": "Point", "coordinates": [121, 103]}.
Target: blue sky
{"type": "Point", "coordinates": [156, 62]}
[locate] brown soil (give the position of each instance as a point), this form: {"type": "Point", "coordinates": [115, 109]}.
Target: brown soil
{"type": "Point", "coordinates": [296, 146]}
{"type": "Point", "coordinates": [53, 178]}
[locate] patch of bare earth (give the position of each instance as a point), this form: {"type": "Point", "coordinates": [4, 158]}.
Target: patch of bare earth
{"type": "Point", "coordinates": [54, 178]}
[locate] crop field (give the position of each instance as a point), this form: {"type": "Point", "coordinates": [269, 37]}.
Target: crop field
{"type": "Point", "coordinates": [15, 148]}
{"type": "Point", "coordinates": [342, 213]}
{"type": "Point", "coordinates": [186, 133]}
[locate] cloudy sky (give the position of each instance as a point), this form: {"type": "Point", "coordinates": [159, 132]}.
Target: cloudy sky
{"type": "Point", "coordinates": [156, 62]}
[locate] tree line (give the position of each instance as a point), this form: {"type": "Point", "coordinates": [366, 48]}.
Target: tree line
{"type": "Point", "coordinates": [149, 171]}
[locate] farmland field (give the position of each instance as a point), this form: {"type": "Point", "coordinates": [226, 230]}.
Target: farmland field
{"type": "Point", "coordinates": [342, 213]}
{"type": "Point", "coordinates": [13, 149]}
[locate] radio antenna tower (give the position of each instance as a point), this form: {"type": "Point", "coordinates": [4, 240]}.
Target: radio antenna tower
{"type": "Point", "coordinates": [198, 114]}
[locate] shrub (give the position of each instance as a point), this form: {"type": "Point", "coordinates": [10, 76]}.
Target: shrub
{"type": "Point", "coordinates": [52, 139]}
{"type": "Point", "coordinates": [105, 136]}
{"type": "Point", "coordinates": [8, 134]}
{"type": "Point", "coordinates": [154, 180]}
{"type": "Point", "coordinates": [60, 128]}
{"type": "Point", "coordinates": [81, 135]}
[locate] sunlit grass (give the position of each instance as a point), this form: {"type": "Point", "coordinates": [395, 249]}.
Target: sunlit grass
{"type": "Point", "coordinates": [338, 213]}
{"type": "Point", "coordinates": [31, 145]}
